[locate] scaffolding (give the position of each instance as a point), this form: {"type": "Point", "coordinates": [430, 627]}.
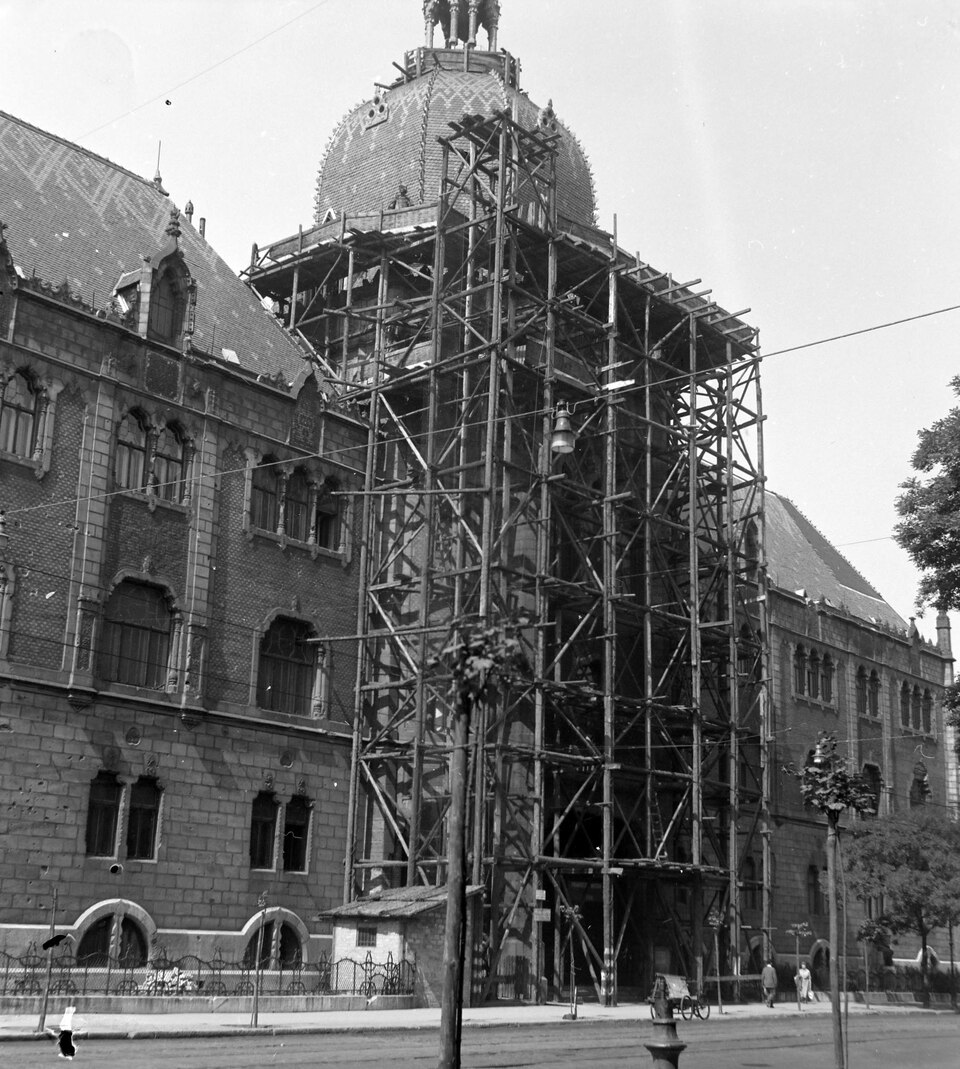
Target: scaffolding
{"type": "Point", "coordinates": [620, 781]}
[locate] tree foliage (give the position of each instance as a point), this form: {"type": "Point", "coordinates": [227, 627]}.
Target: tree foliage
{"type": "Point", "coordinates": [481, 659]}
{"type": "Point", "coordinates": [913, 861]}
{"type": "Point", "coordinates": [828, 785]}
{"type": "Point", "coordinates": [930, 509]}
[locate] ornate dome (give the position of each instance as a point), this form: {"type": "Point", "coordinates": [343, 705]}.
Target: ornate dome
{"type": "Point", "coordinates": [391, 140]}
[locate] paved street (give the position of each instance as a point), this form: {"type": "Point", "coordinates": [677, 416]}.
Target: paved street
{"type": "Point", "coordinates": [786, 1041]}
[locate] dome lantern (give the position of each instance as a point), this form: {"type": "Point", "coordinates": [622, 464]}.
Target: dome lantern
{"type": "Point", "coordinates": [460, 20]}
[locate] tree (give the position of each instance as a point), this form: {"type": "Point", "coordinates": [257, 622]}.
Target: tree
{"type": "Point", "coordinates": [913, 861]}
{"type": "Point", "coordinates": [930, 506]}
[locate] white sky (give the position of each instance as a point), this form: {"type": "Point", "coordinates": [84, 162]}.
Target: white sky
{"type": "Point", "coordinates": [798, 156]}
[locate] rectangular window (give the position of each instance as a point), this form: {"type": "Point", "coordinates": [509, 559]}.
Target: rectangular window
{"type": "Point", "coordinates": [366, 935]}
{"type": "Point", "coordinates": [263, 831]}
{"type": "Point", "coordinates": [296, 834]}
{"type": "Point", "coordinates": [327, 528]}
{"type": "Point", "coordinates": [143, 819]}
{"type": "Point", "coordinates": [103, 808]}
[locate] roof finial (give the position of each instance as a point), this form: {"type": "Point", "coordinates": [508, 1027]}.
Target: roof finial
{"type": "Point", "coordinates": [157, 180]}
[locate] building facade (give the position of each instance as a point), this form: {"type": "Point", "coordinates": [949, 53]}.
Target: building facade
{"type": "Point", "coordinates": [176, 578]}
{"type": "Point", "coordinates": [246, 523]}
{"type": "Point", "coordinates": [841, 661]}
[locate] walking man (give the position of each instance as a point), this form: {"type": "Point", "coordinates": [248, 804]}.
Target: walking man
{"type": "Point", "coordinates": [768, 980]}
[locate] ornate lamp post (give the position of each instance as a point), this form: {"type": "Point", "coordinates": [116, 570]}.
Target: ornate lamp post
{"type": "Point", "coordinates": [827, 784]}
{"type": "Point", "coordinates": [715, 920]}
{"type": "Point", "coordinates": [799, 930]}
{"type": "Point", "coordinates": [572, 916]}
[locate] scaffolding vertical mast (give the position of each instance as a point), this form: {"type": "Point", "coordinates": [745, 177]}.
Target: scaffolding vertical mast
{"type": "Point", "coordinates": [622, 772]}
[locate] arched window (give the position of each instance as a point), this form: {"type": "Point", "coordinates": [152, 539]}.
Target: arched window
{"type": "Point", "coordinates": [130, 470]}
{"type": "Point", "coordinates": [874, 695]}
{"type": "Point", "coordinates": [905, 705]}
{"type": "Point", "coordinates": [288, 950]}
{"type": "Point", "coordinates": [813, 674]}
{"type": "Point", "coordinates": [137, 624]}
{"type": "Point", "coordinates": [143, 819]}
{"type": "Point", "coordinates": [916, 704]}
{"type": "Point", "coordinates": [288, 665]}
{"type": "Point", "coordinates": [751, 890]}
{"type": "Point", "coordinates": [871, 776]}
{"type": "Point", "coordinates": [103, 809]}
{"type": "Point", "coordinates": [751, 550]}
{"type": "Point", "coordinates": [814, 892]}
{"type": "Point", "coordinates": [262, 940]}
{"type": "Point", "coordinates": [920, 786]}
{"type": "Point", "coordinates": [861, 686]}
{"type": "Point", "coordinates": [926, 715]}
{"type": "Point", "coordinates": [169, 465]}
{"type": "Point", "coordinates": [799, 669]}
{"type": "Point", "coordinates": [18, 415]}
{"type": "Point", "coordinates": [265, 496]}
{"type": "Point", "coordinates": [296, 834]}
{"type": "Point", "coordinates": [94, 948]}
{"type": "Point", "coordinates": [296, 505]}
{"type": "Point", "coordinates": [826, 678]}
{"type": "Point", "coordinates": [263, 830]}
{"type": "Point", "coordinates": [133, 944]}
{"type": "Point", "coordinates": [326, 520]}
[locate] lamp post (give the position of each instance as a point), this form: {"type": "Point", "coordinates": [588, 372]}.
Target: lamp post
{"type": "Point", "coordinates": [572, 915]}
{"type": "Point", "coordinates": [715, 920]}
{"type": "Point", "coordinates": [799, 930]}
{"type": "Point", "coordinates": [49, 944]}
{"type": "Point", "coordinates": [255, 1015]}
{"type": "Point", "coordinates": [827, 784]}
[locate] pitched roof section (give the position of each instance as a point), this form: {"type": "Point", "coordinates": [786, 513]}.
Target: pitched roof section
{"type": "Point", "coordinates": [75, 216]}
{"type": "Point", "coordinates": [398, 902]}
{"type": "Point", "coordinates": [800, 558]}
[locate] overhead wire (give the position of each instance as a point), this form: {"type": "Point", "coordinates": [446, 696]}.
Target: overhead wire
{"type": "Point", "coordinates": [206, 70]}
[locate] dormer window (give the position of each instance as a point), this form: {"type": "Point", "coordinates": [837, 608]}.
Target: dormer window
{"type": "Point", "coordinates": [167, 304]}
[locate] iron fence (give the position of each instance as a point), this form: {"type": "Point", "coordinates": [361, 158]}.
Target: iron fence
{"type": "Point", "coordinates": [25, 974]}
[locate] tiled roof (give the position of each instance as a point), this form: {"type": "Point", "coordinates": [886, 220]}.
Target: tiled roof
{"type": "Point", "coordinates": [800, 558]}
{"type": "Point", "coordinates": [365, 161]}
{"type": "Point", "coordinates": [75, 216]}
{"type": "Point", "coordinates": [398, 902]}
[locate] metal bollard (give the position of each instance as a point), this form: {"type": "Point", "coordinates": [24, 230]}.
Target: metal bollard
{"type": "Point", "coordinates": [666, 1046]}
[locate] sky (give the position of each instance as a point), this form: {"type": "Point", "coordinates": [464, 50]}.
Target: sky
{"type": "Point", "coordinates": [800, 157]}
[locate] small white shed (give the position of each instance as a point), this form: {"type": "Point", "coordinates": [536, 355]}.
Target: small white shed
{"type": "Point", "coordinates": [404, 924]}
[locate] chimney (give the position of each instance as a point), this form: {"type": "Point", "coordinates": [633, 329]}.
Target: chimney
{"type": "Point", "coordinates": [203, 227]}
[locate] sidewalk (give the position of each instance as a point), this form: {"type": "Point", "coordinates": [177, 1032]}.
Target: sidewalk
{"type": "Point", "coordinates": [150, 1026]}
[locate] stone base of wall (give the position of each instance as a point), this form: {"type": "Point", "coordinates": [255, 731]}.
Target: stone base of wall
{"type": "Point", "coordinates": [30, 1004]}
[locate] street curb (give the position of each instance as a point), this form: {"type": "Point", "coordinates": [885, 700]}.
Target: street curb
{"type": "Point", "coordinates": [235, 1031]}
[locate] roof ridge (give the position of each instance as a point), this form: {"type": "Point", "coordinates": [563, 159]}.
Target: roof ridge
{"type": "Point", "coordinates": [77, 148]}
{"type": "Point", "coordinates": [870, 586]}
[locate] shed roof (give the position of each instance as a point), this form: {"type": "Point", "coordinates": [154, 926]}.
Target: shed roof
{"type": "Point", "coordinates": [400, 902]}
